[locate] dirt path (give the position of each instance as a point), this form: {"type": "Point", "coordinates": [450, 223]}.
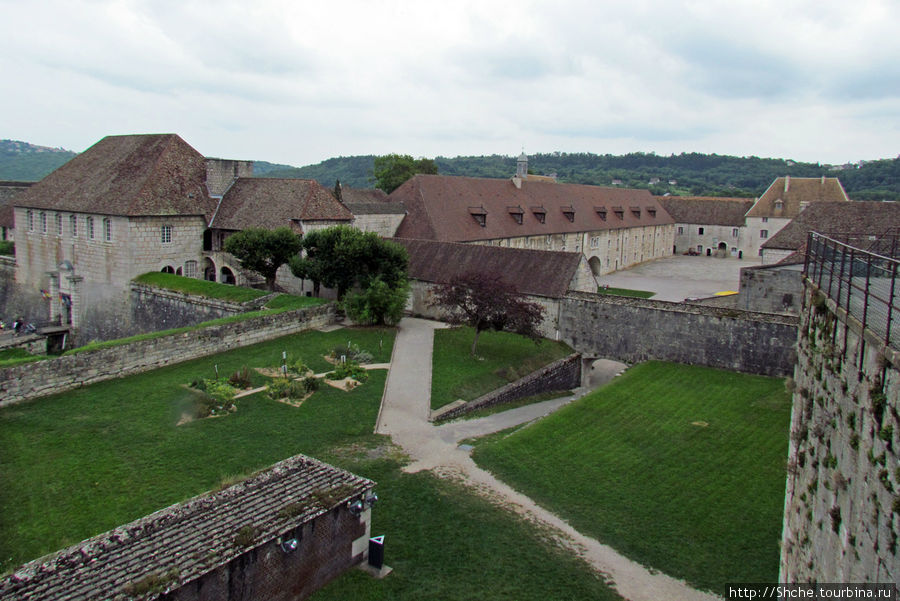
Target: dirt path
{"type": "Point", "coordinates": [404, 416]}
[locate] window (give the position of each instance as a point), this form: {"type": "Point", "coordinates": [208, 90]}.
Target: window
{"type": "Point", "coordinates": [107, 229]}
{"type": "Point", "coordinates": [73, 225]}
{"type": "Point", "coordinates": [699, 248]}
{"type": "Point", "coordinates": [59, 224]}
{"type": "Point", "coordinates": [765, 220]}
{"type": "Point", "coordinates": [700, 231]}
{"type": "Point", "coordinates": [734, 232]}
{"type": "Point", "coordinates": [29, 215]}
{"type": "Point", "coordinates": [595, 241]}
{"type": "Point", "coordinates": [43, 222]}
{"type": "Point", "coordinates": [680, 230]}
{"type": "Point", "coordinates": [763, 233]}
{"type": "Point", "coordinates": [166, 234]}
{"type": "Point", "coordinates": [89, 222]}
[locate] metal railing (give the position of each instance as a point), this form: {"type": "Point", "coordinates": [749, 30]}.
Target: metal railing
{"type": "Point", "coordinates": [862, 282]}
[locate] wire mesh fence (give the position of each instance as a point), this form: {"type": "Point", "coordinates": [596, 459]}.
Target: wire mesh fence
{"type": "Point", "coordinates": [858, 279]}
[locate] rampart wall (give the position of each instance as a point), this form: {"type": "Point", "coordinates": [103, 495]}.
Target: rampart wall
{"type": "Point", "coordinates": [634, 330]}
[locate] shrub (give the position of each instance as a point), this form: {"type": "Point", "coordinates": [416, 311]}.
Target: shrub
{"type": "Point", "coordinates": [311, 384]}
{"type": "Point", "coordinates": [281, 388]}
{"type": "Point", "coordinates": [221, 391]}
{"type": "Point", "coordinates": [353, 353]}
{"type": "Point", "coordinates": [296, 366]}
{"type": "Point", "coordinates": [350, 369]}
{"type": "Point", "coordinates": [241, 378]}
{"type": "Point", "coordinates": [245, 536]}
{"type": "Point", "coordinates": [7, 247]}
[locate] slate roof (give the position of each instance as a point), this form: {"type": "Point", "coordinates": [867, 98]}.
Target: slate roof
{"type": "Point", "coordinates": [707, 210]}
{"type": "Point", "coordinates": [134, 175]}
{"type": "Point", "coordinates": [370, 201]}
{"type": "Point", "coordinates": [275, 202]}
{"type": "Point", "coordinates": [799, 190]}
{"type": "Point", "coordinates": [865, 218]}
{"type": "Point", "coordinates": [8, 191]}
{"type": "Point", "coordinates": [441, 207]}
{"type": "Point", "coordinates": [196, 536]}
{"type": "Point", "coordinates": [537, 272]}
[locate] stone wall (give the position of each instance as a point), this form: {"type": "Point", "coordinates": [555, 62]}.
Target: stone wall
{"type": "Point", "coordinates": [154, 309]}
{"type": "Point", "coordinates": [842, 502]}
{"type": "Point", "coordinates": [563, 374]}
{"type": "Point", "coordinates": [221, 173]}
{"type": "Point", "coordinates": [772, 289]}
{"type": "Point", "coordinates": [634, 330]}
{"type": "Point", "coordinates": [43, 378]}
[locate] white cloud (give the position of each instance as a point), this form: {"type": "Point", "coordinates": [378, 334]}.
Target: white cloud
{"type": "Point", "coordinates": [298, 82]}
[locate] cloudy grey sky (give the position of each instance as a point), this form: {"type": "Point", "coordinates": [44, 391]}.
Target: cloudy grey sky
{"type": "Point", "coordinates": [297, 82]}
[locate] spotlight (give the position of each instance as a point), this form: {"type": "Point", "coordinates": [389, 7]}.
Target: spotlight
{"type": "Point", "coordinates": [289, 545]}
{"type": "Point", "coordinates": [356, 507]}
{"type": "Point", "coordinates": [371, 499]}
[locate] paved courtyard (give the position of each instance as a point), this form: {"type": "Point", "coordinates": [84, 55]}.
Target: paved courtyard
{"type": "Point", "coordinates": [680, 277]}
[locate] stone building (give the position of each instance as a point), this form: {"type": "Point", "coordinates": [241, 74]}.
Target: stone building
{"type": "Point", "coordinates": [8, 191]}
{"type": "Point", "coordinates": [709, 226]}
{"type": "Point", "coordinates": [280, 535]}
{"type": "Point", "coordinates": [373, 210]}
{"type": "Point", "coordinates": [614, 228]}
{"type": "Point", "coordinates": [542, 277]}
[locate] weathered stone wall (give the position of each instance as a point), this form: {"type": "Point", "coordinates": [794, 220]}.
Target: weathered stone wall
{"type": "Point", "coordinates": [383, 224]}
{"type": "Point", "coordinates": [634, 330]}
{"type": "Point", "coordinates": [220, 173]}
{"type": "Point", "coordinates": [154, 309]}
{"type": "Point", "coordinates": [842, 502]}
{"type": "Point", "coordinates": [563, 374]}
{"type": "Point", "coordinates": [32, 380]}
{"type": "Point", "coordinates": [772, 289]}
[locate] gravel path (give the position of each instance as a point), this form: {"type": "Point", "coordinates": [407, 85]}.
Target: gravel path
{"type": "Point", "coordinates": [404, 415]}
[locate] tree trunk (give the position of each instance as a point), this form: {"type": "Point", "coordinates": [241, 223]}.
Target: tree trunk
{"type": "Point", "coordinates": [270, 283]}
{"type": "Point", "coordinates": [475, 341]}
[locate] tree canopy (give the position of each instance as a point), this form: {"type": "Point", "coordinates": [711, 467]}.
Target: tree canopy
{"type": "Point", "coordinates": [342, 257]}
{"type": "Point", "coordinates": [264, 251]}
{"type": "Point", "coordinates": [391, 170]}
{"type": "Point", "coordinates": [485, 302]}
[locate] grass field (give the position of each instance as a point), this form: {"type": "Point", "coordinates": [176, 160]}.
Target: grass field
{"type": "Point", "coordinates": [680, 468]}
{"type": "Point", "coordinates": [82, 462]}
{"type": "Point", "coordinates": [625, 292]}
{"type": "Point", "coordinates": [502, 358]}
{"type": "Point", "coordinates": [238, 294]}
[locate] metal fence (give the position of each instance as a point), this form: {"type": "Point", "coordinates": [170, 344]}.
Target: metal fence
{"type": "Point", "coordinates": [862, 282]}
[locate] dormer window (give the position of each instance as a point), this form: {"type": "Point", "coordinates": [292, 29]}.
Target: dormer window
{"type": "Point", "coordinates": [479, 215]}
{"type": "Point", "coordinates": [569, 213]}
{"type": "Point", "coordinates": [601, 211]}
{"type": "Point", "coordinates": [652, 212]}
{"type": "Point", "coordinates": [540, 213]}
{"type": "Point", "coordinates": [619, 211]}
{"type": "Point", "coordinates": [636, 211]}
{"type": "Point", "coordinates": [516, 213]}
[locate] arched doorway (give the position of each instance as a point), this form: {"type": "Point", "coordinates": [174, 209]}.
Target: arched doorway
{"type": "Point", "coordinates": [596, 266]}
{"type": "Point", "coordinates": [226, 276]}
{"type": "Point", "coordinates": [209, 270]}
{"type": "Point", "coordinates": [722, 250]}
{"type": "Point", "coordinates": [168, 269]}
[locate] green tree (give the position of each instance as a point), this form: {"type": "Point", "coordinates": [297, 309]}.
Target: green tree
{"type": "Point", "coordinates": [343, 257]}
{"type": "Point", "coordinates": [378, 304]}
{"type": "Point", "coordinates": [391, 170]}
{"type": "Point", "coordinates": [264, 251]}
{"type": "Point", "coordinates": [485, 302]}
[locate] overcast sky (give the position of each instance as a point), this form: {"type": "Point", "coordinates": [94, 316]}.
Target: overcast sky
{"type": "Point", "coordinates": [298, 82]}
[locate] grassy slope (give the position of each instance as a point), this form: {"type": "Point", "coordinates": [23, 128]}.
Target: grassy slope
{"type": "Point", "coordinates": [79, 463]}
{"type": "Point", "coordinates": [458, 375]}
{"type": "Point", "coordinates": [627, 466]}
{"type": "Point", "coordinates": [237, 294]}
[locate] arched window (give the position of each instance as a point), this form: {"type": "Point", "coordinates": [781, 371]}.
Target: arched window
{"type": "Point", "coordinates": [190, 269]}
{"type": "Point", "coordinates": [168, 269]}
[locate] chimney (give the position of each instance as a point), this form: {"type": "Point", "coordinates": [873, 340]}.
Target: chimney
{"type": "Point", "coordinates": [787, 183]}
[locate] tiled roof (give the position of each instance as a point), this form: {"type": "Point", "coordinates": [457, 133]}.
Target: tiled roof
{"type": "Point", "coordinates": [707, 210]}
{"type": "Point", "coordinates": [794, 193]}
{"type": "Point", "coordinates": [8, 191]}
{"type": "Point", "coordinates": [153, 174]}
{"type": "Point", "coordinates": [857, 217]}
{"type": "Point", "coordinates": [194, 537]}
{"type": "Point", "coordinates": [538, 272]}
{"type": "Point", "coordinates": [271, 202]}
{"type": "Point", "coordinates": [440, 207]}
{"type": "Point", "coordinates": [349, 194]}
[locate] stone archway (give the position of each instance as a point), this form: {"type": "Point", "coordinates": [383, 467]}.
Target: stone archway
{"type": "Point", "coordinates": [168, 269]}
{"type": "Point", "coordinates": [227, 276]}
{"type": "Point", "coordinates": [209, 270]}
{"type": "Point", "coordinates": [596, 265]}
{"type": "Point", "coordinates": [722, 250]}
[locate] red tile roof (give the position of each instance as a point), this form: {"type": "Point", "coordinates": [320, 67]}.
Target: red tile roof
{"type": "Point", "coordinates": [795, 193]}
{"type": "Point", "coordinates": [707, 210]}
{"type": "Point", "coordinates": [865, 218]}
{"type": "Point", "coordinates": [134, 175]}
{"type": "Point", "coordinates": [538, 272]}
{"type": "Point", "coordinates": [270, 203]}
{"type": "Point", "coordinates": [447, 208]}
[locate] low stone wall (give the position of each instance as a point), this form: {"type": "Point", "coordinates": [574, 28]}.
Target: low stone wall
{"type": "Point", "coordinates": [634, 330]}
{"type": "Point", "coordinates": [32, 380]}
{"type": "Point", "coordinates": [563, 374]}
{"type": "Point", "coordinates": [772, 289]}
{"type": "Point", "coordinates": [154, 309]}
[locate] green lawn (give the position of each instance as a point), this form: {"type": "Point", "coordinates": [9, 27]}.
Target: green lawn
{"type": "Point", "coordinates": [238, 294]}
{"type": "Point", "coordinates": [680, 468]}
{"type": "Point", "coordinates": [502, 358]}
{"type": "Point", "coordinates": [15, 356]}
{"type": "Point", "coordinates": [625, 292]}
{"type": "Point", "coordinates": [82, 462]}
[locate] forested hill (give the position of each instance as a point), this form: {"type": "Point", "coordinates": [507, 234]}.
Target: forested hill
{"type": "Point", "coordinates": [21, 161]}
{"type": "Point", "coordinates": [693, 174]}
